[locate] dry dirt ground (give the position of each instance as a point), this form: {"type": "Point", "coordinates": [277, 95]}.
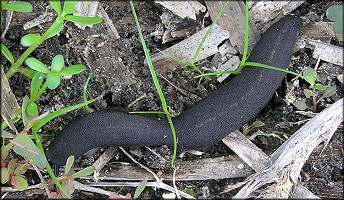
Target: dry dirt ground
{"type": "Point", "coordinates": [322, 174]}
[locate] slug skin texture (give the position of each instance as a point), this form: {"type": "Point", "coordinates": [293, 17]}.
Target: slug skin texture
{"type": "Point", "coordinates": [203, 124]}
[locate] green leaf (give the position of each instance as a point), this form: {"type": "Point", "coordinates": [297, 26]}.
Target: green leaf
{"type": "Point", "coordinates": [11, 166]}
{"type": "Point", "coordinates": [56, 30]}
{"type": "Point", "coordinates": [36, 83]}
{"type": "Point", "coordinates": [338, 26]}
{"type": "Point", "coordinates": [27, 72]}
{"type": "Point", "coordinates": [301, 105]}
{"type": "Point", "coordinates": [21, 169]}
{"type": "Point", "coordinates": [18, 6]}
{"type": "Point", "coordinates": [69, 164]}
{"type": "Point", "coordinates": [32, 109]}
{"type": "Point", "coordinates": [24, 146]}
{"type": "Point", "coordinates": [56, 5]}
{"type": "Point", "coordinates": [30, 39]}
{"type": "Point", "coordinates": [37, 65]}
{"type": "Point", "coordinates": [191, 191]}
{"type": "Point", "coordinates": [26, 116]}
{"type": "Point", "coordinates": [33, 121]}
{"type": "Point", "coordinates": [310, 75]}
{"type": "Point", "coordinates": [309, 93]}
{"type": "Point", "coordinates": [5, 176]}
{"type": "Point", "coordinates": [85, 172]}
{"type": "Point", "coordinates": [3, 2]}
{"type": "Point", "coordinates": [53, 81]}
{"type": "Point", "coordinates": [57, 64]}
{"type": "Point", "coordinates": [83, 20]}
{"type": "Point", "coordinates": [69, 7]}
{"type": "Point", "coordinates": [7, 53]}
{"type": "Point", "coordinates": [335, 12]}
{"type": "Point", "coordinates": [19, 182]}
{"type": "Point", "coordinates": [68, 187]}
{"type": "Point", "coordinates": [71, 70]}
{"type": "Point", "coordinates": [140, 188]}
{"type": "Point", "coordinates": [257, 123]}
{"type": "Point", "coordinates": [319, 86]}
{"type": "Point", "coordinates": [329, 91]}
{"type": "Point", "coordinates": [5, 150]}
{"type": "Point", "coordinates": [5, 134]}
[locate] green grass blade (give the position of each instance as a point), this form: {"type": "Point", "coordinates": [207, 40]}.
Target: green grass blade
{"type": "Point", "coordinates": [209, 30]}
{"type": "Point", "coordinates": [155, 79]}
{"type": "Point", "coordinates": [273, 68]}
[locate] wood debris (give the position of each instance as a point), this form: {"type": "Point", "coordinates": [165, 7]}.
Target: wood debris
{"type": "Point", "coordinates": [232, 19]}
{"type": "Point", "coordinates": [86, 9]}
{"type": "Point", "coordinates": [202, 169]}
{"type": "Point", "coordinates": [186, 49]}
{"type": "Point", "coordinates": [288, 160]}
{"type": "Point", "coordinates": [9, 103]}
{"type": "Point", "coordinates": [184, 9]}
{"type": "Point", "coordinates": [319, 31]}
{"type": "Point", "coordinates": [327, 52]}
{"type": "Point", "coordinates": [265, 13]}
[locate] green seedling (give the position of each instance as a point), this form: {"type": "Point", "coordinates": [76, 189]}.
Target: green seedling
{"type": "Point", "coordinates": [313, 92]}
{"type": "Point", "coordinates": [191, 191]}
{"type": "Point", "coordinates": [66, 180]}
{"type": "Point", "coordinates": [246, 128]}
{"type": "Point", "coordinates": [32, 41]}
{"type": "Point", "coordinates": [13, 174]}
{"type": "Point", "coordinates": [22, 143]}
{"type": "Point", "coordinates": [57, 70]}
{"type": "Point", "coordinates": [335, 13]}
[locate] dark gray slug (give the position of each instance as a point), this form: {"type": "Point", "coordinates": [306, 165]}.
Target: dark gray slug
{"type": "Point", "coordinates": [201, 125]}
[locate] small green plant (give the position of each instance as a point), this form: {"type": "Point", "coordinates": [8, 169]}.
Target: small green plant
{"type": "Point", "coordinates": [13, 170]}
{"type": "Point", "coordinates": [246, 128]}
{"type": "Point", "coordinates": [313, 92]}
{"type": "Point", "coordinates": [335, 13]}
{"type": "Point", "coordinates": [32, 41]}
{"type": "Point", "coordinates": [57, 70]}
{"type": "Point", "coordinates": [67, 178]}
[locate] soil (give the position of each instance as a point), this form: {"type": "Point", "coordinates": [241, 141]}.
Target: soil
{"type": "Point", "coordinates": [322, 174]}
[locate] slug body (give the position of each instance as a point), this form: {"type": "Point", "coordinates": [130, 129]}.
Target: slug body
{"type": "Point", "coordinates": [201, 125]}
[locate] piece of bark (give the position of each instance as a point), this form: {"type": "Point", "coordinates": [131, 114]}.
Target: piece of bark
{"type": "Point", "coordinates": [112, 30]}
{"type": "Point", "coordinates": [288, 159]}
{"type": "Point", "coordinates": [319, 31]}
{"type": "Point", "coordinates": [327, 52]}
{"type": "Point", "coordinates": [301, 192]}
{"type": "Point", "coordinates": [86, 9]}
{"type": "Point", "coordinates": [183, 8]}
{"type": "Point", "coordinates": [247, 151]}
{"type": "Point", "coordinates": [9, 102]}
{"type": "Point", "coordinates": [103, 160]}
{"type": "Point", "coordinates": [186, 49]}
{"type": "Point", "coordinates": [233, 20]}
{"type": "Point", "coordinates": [265, 13]}
{"type": "Point", "coordinates": [203, 169]}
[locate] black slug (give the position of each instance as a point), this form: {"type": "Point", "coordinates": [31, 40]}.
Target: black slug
{"type": "Point", "coordinates": [201, 125]}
